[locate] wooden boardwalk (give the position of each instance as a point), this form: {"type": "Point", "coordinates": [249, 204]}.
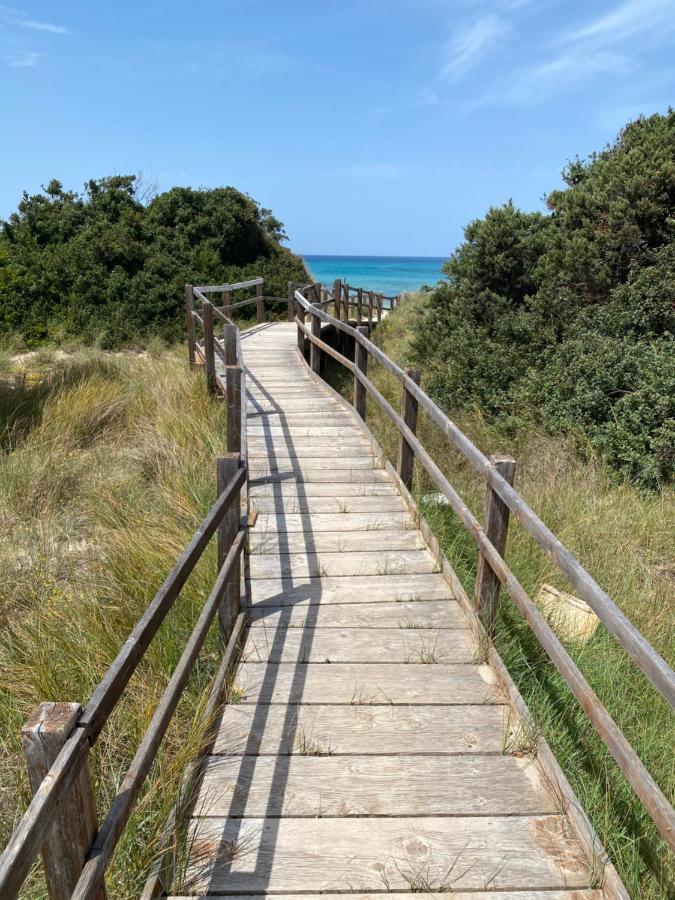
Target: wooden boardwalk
{"type": "Point", "coordinates": [370, 750]}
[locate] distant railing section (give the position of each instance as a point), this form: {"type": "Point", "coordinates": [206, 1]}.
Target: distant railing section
{"type": "Point", "coordinates": [501, 500]}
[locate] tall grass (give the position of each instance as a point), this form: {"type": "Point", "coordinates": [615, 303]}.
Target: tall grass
{"type": "Point", "coordinates": [625, 540]}
{"type": "Point", "coordinates": [106, 468]}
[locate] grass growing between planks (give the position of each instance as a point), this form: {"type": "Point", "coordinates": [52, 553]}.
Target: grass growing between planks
{"type": "Point", "coordinates": [624, 538]}
{"type": "Point", "coordinates": [106, 469]}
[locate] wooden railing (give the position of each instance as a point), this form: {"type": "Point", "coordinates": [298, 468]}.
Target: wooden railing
{"type": "Point", "coordinates": [60, 822]}
{"type": "Point", "coordinates": [502, 500]}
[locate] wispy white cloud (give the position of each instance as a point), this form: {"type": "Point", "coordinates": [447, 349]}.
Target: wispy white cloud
{"type": "Point", "coordinates": [41, 26]}
{"type": "Point", "coordinates": [471, 44]}
{"type": "Point", "coordinates": [22, 59]}
{"type": "Point", "coordinates": [626, 21]}
{"type": "Point", "coordinates": [13, 40]}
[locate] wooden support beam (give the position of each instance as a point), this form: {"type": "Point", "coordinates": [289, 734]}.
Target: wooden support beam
{"type": "Point", "coordinates": [361, 362]}
{"type": "Point", "coordinates": [337, 293]}
{"type": "Point", "coordinates": [370, 312]}
{"type": "Point", "coordinates": [259, 304]}
{"type": "Point", "coordinates": [227, 304]}
{"type": "Point", "coordinates": [495, 525]}
{"type": "Point", "coordinates": [406, 455]}
{"type": "Point", "coordinates": [209, 351]}
{"type": "Point", "coordinates": [315, 351]}
{"type": "Point", "coordinates": [74, 828]}
{"type": "Point", "coordinates": [359, 301]}
{"type": "Point", "coordinates": [190, 324]}
{"type": "Point", "coordinates": [226, 469]}
{"type": "Point", "coordinates": [230, 344]}
{"type": "Point", "coordinates": [234, 412]}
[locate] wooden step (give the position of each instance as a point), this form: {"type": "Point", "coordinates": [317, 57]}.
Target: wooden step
{"type": "Point", "coordinates": [342, 504]}
{"type": "Point", "coordinates": [315, 523]}
{"type": "Point", "coordinates": [320, 646]}
{"type": "Point", "coordinates": [442, 854]}
{"type": "Point", "coordinates": [286, 549]}
{"type": "Point", "coordinates": [368, 588]}
{"type": "Point", "coordinates": [349, 730]}
{"type": "Point", "coordinates": [584, 894]}
{"type": "Point", "coordinates": [302, 786]}
{"type": "Point", "coordinates": [293, 490]}
{"type": "Point", "coordinates": [345, 563]}
{"type": "Point", "coordinates": [367, 684]}
{"type": "Point", "coordinates": [419, 614]}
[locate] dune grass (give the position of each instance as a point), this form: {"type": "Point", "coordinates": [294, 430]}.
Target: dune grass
{"type": "Point", "coordinates": [106, 468]}
{"type": "Point", "coordinates": [625, 539]}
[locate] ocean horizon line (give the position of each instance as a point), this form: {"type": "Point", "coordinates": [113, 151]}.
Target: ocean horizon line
{"type": "Point", "coordinates": [364, 256]}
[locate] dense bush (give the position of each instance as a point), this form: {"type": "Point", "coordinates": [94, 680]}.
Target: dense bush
{"type": "Point", "coordinates": [104, 266]}
{"type": "Point", "coordinates": [569, 316]}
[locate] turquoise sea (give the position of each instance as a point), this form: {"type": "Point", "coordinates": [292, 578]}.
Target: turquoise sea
{"type": "Point", "coordinates": [386, 274]}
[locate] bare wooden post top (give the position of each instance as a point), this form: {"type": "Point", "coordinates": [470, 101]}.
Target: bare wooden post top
{"type": "Point", "coordinates": [361, 362]}
{"type": "Point", "coordinates": [495, 525]}
{"type": "Point", "coordinates": [406, 456]}
{"type": "Point", "coordinates": [72, 833]}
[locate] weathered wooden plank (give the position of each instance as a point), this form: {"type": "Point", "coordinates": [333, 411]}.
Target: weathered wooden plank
{"type": "Point", "coordinates": [465, 852]}
{"type": "Point", "coordinates": [276, 462]}
{"type": "Point", "coordinates": [282, 547]}
{"type": "Point", "coordinates": [293, 430]}
{"type": "Point", "coordinates": [341, 490]}
{"type": "Point", "coordinates": [342, 504]}
{"type": "Point", "coordinates": [300, 786]}
{"type": "Point", "coordinates": [373, 588]}
{"type": "Point", "coordinates": [298, 475]}
{"type": "Point", "coordinates": [349, 730]}
{"type": "Point", "coordinates": [315, 523]}
{"type": "Point", "coordinates": [416, 614]}
{"type": "Point", "coordinates": [294, 455]}
{"type": "Point", "coordinates": [346, 563]}
{"type": "Point", "coordinates": [366, 684]}
{"type": "Point", "coordinates": [583, 894]}
{"type": "Point", "coordinates": [441, 646]}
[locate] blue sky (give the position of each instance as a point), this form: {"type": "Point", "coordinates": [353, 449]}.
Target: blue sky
{"type": "Point", "coordinates": [368, 126]}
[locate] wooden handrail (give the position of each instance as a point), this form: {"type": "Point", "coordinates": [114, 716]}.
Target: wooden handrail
{"type": "Point", "coordinates": [29, 835]}
{"type": "Point", "coordinates": [636, 774]}
{"type": "Point", "coordinates": [627, 635]}
{"type": "Point", "coordinates": [239, 285]}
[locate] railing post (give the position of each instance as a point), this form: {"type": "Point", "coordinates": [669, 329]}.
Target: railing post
{"type": "Point", "coordinates": [230, 344]}
{"type": "Point", "coordinates": [227, 467]}
{"type": "Point", "coordinates": [359, 301]}
{"type": "Point", "coordinates": [209, 352]}
{"type": "Point", "coordinates": [337, 297]}
{"type": "Point", "coordinates": [74, 828]}
{"type": "Point", "coordinates": [370, 311]}
{"type": "Point", "coordinates": [259, 304]}
{"type": "Point", "coordinates": [190, 324]}
{"type": "Point", "coordinates": [314, 351]}
{"type": "Point", "coordinates": [495, 525]}
{"type": "Point", "coordinates": [227, 309]}
{"type": "Point", "coordinates": [234, 412]}
{"type": "Point", "coordinates": [406, 455]}
{"type": "Point", "coordinates": [345, 294]}
{"type": "Point", "coordinates": [361, 362]}
{"type": "Point", "coordinates": [301, 333]}
{"type": "Point", "coordinates": [289, 307]}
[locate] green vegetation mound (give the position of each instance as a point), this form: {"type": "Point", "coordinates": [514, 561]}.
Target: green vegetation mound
{"type": "Point", "coordinates": [569, 316]}
{"type": "Point", "coordinates": [103, 266]}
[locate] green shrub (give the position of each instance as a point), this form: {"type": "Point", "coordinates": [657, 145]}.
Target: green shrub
{"type": "Point", "coordinates": [104, 268]}
{"type": "Point", "coordinates": [569, 317]}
